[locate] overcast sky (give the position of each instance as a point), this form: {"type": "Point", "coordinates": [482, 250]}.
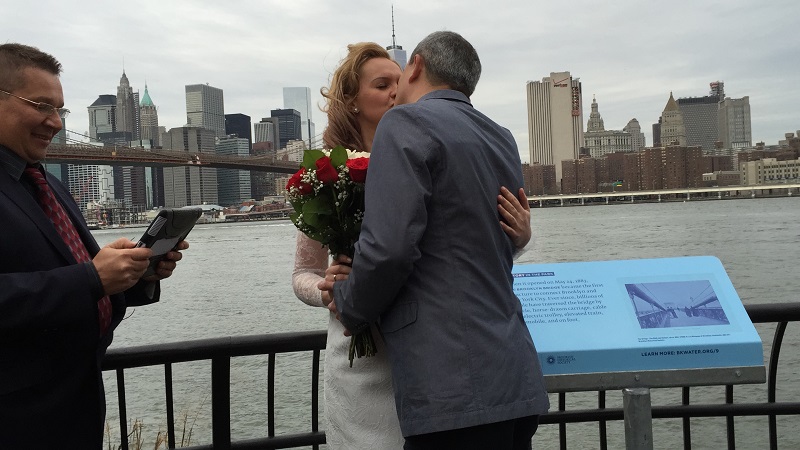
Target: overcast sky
{"type": "Point", "coordinates": [629, 53]}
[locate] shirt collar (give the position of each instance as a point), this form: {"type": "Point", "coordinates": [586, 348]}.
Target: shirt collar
{"type": "Point", "coordinates": [11, 163]}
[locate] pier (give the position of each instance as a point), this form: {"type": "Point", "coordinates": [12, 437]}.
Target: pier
{"type": "Point", "coordinates": [659, 195]}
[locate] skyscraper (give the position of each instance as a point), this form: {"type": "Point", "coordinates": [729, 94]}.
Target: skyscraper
{"type": "Point", "coordinates": [233, 185]}
{"type": "Point", "coordinates": [205, 108]}
{"type": "Point", "coordinates": [700, 117]}
{"type": "Point", "coordinates": [102, 117]}
{"type": "Point", "coordinates": [148, 114]}
{"type": "Point", "coordinates": [289, 125]}
{"type": "Point", "coordinates": [266, 132]}
{"type": "Point", "coordinates": [396, 52]}
{"type": "Point", "coordinates": [240, 125]}
{"type": "Point", "coordinates": [555, 119]}
{"type": "Point", "coordinates": [673, 131]}
{"type": "Point", "coordinates": [299, 99]}
{"type": "Point", "coordinates": [185, 186]}
{"type": "Point", "coordinates": [734, 123]}
{"type": "Point", "coordinates": [265, 143]}
{"type": "Point", "coordinates": [125, 118]}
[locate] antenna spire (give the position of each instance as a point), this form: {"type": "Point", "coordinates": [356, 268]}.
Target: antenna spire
{"type": "Point", "coordinates": [394, 44]}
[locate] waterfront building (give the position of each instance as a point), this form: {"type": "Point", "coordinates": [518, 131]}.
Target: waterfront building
{"type": "Point", "coordinates": [632, 169]}
{"type": "Point", "coordinates": [673, 131]}
{"type": "Point", "coordinates": [241, 126]}
{"type": "Point", "coordinates": [600, 141]}
{"type": "Point", "coordinates": [91, 184]}
{"type": "Point", "coordinates": [233, 185]}
{"type": "Point", "coordinates": [539, 179]}
{"type": "Point", "coordinates": [770, 171]}
{"type": "Point", "coordinates": [289, 125]}
{"type": "Point", "coordinates": [205, 108]}
{"type": "Point", "coordinates": [555, 119]}
{"type": "Point", "coordinates": [682, 167]}
{"type": "Point", "coordinates": [299, 99]}
{"type": "Point", "coordinates": [396, 52]}
{"type": "Point", "coordinates": [722, 178]}
{"type": "Point", "coordinates": [734, 123]}
{"type": "Point", "coordinates": [191, 185]}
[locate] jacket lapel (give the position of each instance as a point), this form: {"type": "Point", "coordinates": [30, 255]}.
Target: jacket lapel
{"type": "Point", "coordinates": [17, 194]}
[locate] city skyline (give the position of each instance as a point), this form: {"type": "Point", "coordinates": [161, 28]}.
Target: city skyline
{"type": "Point", "coordinates": [617, 51]}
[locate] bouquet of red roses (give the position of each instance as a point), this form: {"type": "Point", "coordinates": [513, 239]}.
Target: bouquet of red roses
{"type": "Point", "coordinates": [327, 195]}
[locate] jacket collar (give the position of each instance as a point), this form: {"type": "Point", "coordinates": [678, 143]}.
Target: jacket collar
{"type": "Point", "coordinates": [446, 94]}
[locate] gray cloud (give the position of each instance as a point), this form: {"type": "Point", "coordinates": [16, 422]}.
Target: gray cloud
{"type": "Point", "coordinates": [628, 53]}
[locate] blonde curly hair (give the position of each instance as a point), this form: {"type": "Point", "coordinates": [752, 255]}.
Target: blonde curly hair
{"type": "Point", "coordinates": [343, 128]}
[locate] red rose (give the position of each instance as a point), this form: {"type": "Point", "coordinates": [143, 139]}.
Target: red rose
{"type": "Point", "coordinates": [358, 169]}
{"type": "Point", "coordinates": [325, 171]}
{"type": "Point", "coordinates": [296, 181]}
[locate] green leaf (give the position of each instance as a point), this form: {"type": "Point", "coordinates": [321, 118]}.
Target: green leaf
{"type": "Point", "coordinates": [317, 211]}
{"type": "Point", "coordinates": [310, 158]}
{"type": "Point", "coordinates": [297, 205]}
{"type": "Point", "coordinates": [338, 156]}
{"type": "Point", "coordinates": [321, 204]}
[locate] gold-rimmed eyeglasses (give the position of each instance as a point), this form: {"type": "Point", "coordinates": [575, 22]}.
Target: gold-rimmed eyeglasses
{"type": "Point", "coordinates": [44, 108]}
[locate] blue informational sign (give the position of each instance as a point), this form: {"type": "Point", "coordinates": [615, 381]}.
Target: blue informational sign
{"type": "Point", "coordinates": [647, 314]}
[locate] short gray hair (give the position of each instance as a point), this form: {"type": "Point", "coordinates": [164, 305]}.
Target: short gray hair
{"type": "Point", "coordinates": [450, 59]}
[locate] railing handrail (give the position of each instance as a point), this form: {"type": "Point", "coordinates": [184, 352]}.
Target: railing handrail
{"type": "Point", "coordinates": [203, 349]}
{"type": "Point", "coordinates": [220, 350]}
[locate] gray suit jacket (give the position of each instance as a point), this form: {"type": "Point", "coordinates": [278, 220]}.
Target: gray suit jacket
{"type": "Point", "coordinates": [434, 266]}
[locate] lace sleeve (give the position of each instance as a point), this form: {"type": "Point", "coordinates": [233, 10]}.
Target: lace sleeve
{"type": "Point", "coordinates": [310, 262]}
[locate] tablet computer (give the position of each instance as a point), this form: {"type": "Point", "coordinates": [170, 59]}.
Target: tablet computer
{"type": "Point", "coordinates": [170, 226]}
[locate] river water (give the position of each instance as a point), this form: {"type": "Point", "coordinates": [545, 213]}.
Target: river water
{"type": "Point", "coordinates": [236, 280]}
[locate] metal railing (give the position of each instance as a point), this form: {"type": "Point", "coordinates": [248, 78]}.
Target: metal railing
{"type": "Point", "coordinates": [220, 351]}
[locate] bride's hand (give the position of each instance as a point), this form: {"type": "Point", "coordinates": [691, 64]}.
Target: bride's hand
{"type": "Point", "coordinates": [516, 215]}
{"type": "Point", "coordinates": [338, 270]}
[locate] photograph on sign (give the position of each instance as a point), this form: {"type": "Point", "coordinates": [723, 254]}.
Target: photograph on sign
{"type": "Point", "coordinates": [676, 304]}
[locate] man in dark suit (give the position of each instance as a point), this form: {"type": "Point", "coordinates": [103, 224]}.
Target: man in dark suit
{"type": "Point", "coordinates": [61, 296]}
{"type": "Point", "coordinates": [433, 266]}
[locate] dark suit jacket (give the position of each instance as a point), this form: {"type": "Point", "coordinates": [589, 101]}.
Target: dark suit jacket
{"type": "Point", "coordinates": [51, 390]}
{"type": "Point", "coordinates": [433, 263]}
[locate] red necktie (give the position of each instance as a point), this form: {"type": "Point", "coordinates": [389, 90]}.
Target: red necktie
{"type": "Point", "coordinates": [69, 235]}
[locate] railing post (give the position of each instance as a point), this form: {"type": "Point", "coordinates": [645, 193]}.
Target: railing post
{"type": "Point", "coordinates": [638, 419]}
{"type": "Point", "coordinates": [221, 403]}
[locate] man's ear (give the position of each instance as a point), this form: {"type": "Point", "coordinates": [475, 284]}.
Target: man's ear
{"type": "Point", "coordinates": [417, 64]}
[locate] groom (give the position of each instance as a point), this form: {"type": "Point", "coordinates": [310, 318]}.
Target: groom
{"type": "Point", "coordinates": [432, 266]}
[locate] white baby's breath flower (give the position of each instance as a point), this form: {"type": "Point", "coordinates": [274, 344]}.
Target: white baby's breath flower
{"type": "Point", "coordinates": [352, 155]}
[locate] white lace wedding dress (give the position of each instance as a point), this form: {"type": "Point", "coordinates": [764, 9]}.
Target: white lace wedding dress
{"type": "Point", "coordinates": [359, 401]}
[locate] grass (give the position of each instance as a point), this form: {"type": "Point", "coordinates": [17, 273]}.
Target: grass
{"type": "Point", "coordinates": [137, 437]}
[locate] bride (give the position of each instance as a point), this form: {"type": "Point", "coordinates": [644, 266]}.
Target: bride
{"type": "Point", "coordinates": [359, 401]}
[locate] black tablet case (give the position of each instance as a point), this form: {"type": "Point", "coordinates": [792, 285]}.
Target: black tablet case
{"type": "Point", "coordinates": [169, 224]}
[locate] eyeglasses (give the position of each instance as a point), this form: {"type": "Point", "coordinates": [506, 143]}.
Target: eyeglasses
{"type": "Point", "coordinates": [44, 108]}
